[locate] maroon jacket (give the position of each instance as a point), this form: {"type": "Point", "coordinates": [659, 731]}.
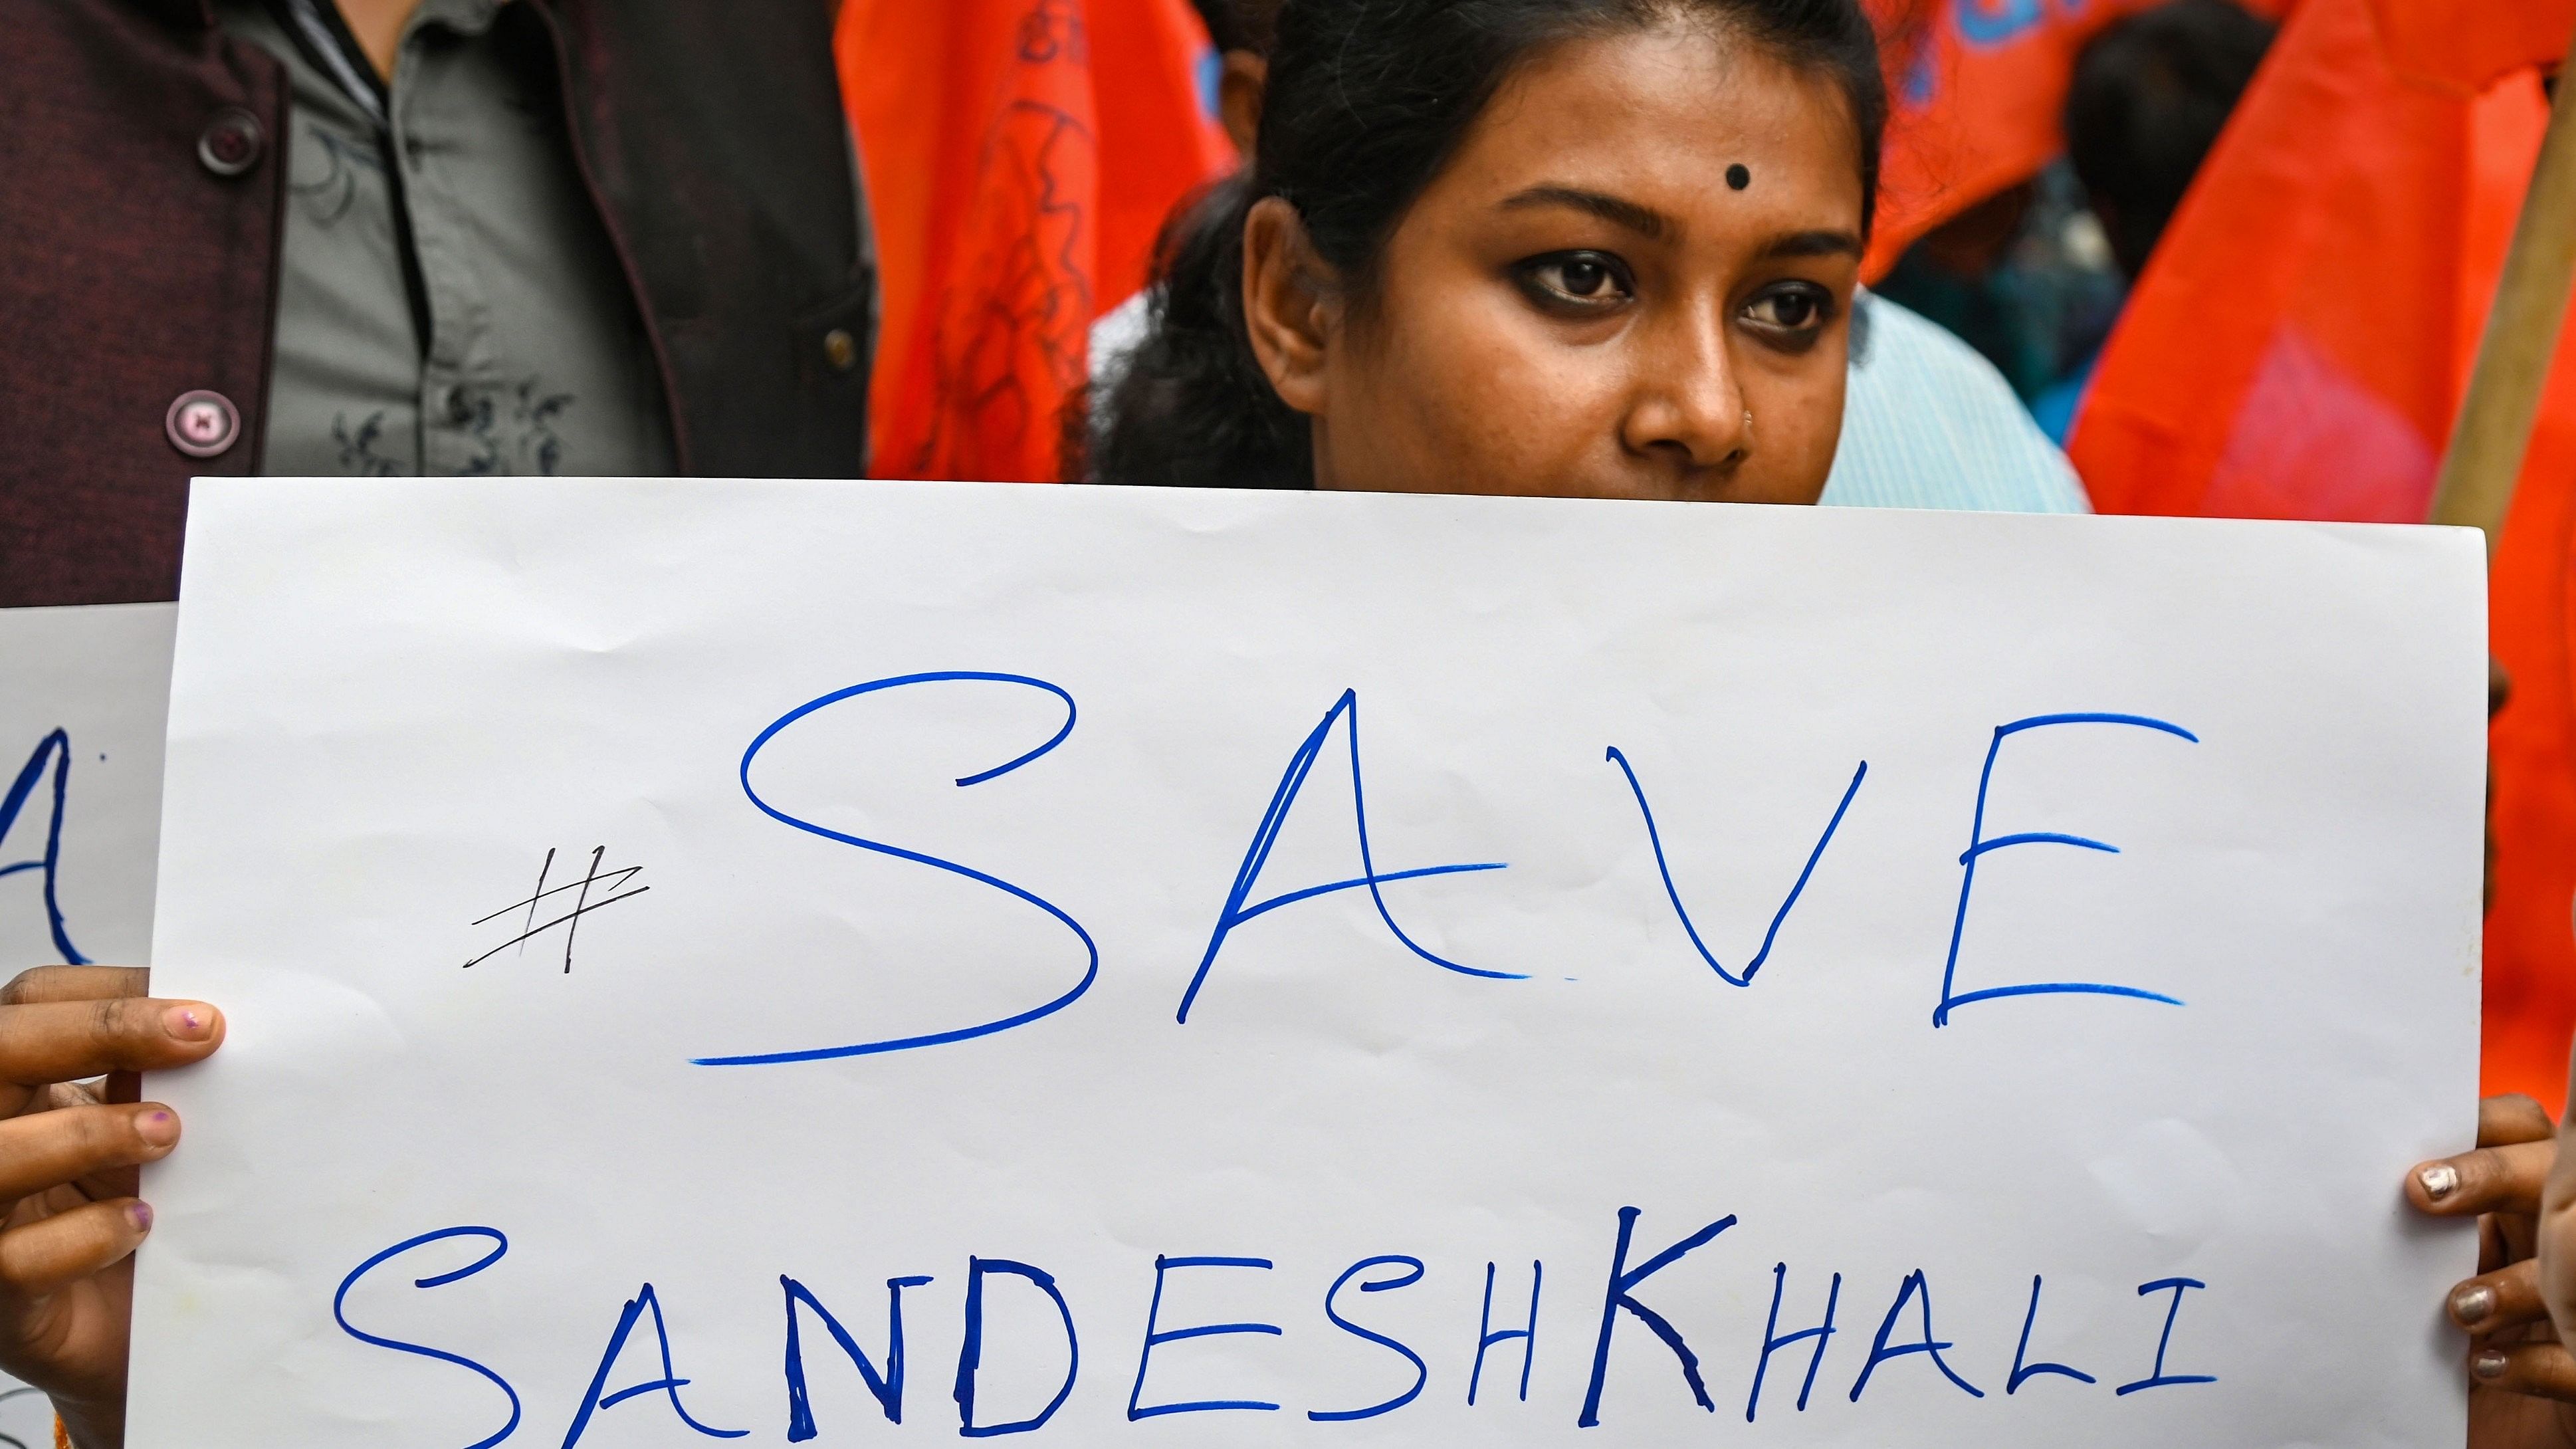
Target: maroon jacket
{"type": "Point", "coordinates": [141, 203]}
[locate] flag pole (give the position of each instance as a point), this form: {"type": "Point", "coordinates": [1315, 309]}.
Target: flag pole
{"type": "Point", "coordinates": [2521, 341]}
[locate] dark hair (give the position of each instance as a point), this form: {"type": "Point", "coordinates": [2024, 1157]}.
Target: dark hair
{"type": "Point", "coordinates": [1366, 101]}
{"type": "Point", "coordinates": [2150, 96]}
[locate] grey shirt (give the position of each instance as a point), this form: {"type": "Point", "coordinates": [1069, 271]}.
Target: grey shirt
{"type": "Point", "coordinates": [513, 345]}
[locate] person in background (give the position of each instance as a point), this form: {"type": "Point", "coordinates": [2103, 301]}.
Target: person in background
{"type": "Point", "coordinates": [366, 237]}
{"type": "Point", "coordinates": [372, 237]}
{"type": "Point", "coordinates": [2151, 94]}
{"type": "Point", "coordinates": [1241, 31]}
{"type": "Point", "coordinates": [2022, 275]}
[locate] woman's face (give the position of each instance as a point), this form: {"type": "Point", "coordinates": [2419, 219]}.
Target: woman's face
{"type": "Point", "coordinates": [1634, 280]}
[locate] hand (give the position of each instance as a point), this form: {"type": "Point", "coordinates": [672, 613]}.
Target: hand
{"type": "Point", "coordinates": [2522, 1379]}
{"type": "Point", "coordinates": [70, 1153]}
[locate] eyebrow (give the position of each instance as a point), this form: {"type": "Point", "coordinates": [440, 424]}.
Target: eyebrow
{"type": "Point", "coordinates": [1814, 244]}
{"type": "Point", "coordinates": [1643, 220]}
{"type": "Point", "coordinates": [1655, 226]}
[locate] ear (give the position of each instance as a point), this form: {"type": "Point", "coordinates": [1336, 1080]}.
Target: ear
{"type": "Point", "coordinates": [1287, 303]}
{"type": "Point", "coordinates": [1238, 97]}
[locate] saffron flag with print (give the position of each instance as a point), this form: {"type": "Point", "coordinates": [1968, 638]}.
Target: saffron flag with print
{"type": "Point", "coordinates": [1019, 158]}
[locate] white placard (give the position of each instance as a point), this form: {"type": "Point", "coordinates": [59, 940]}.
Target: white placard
{"type": "Point", "coordinates": [83, 694]}
{"type": "Point", "coordinates": [1204, 958]}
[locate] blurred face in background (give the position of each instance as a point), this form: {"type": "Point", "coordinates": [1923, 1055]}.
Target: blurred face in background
{"type": "Point", "coordinates": [1634, 280]}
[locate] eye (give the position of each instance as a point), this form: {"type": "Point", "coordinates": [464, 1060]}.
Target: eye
{"type": "Point", "coordinates": [1582, 283]}
{"type": "Point", "coordinates": [1793, 312]}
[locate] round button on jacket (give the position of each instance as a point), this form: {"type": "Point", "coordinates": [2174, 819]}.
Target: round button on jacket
{"type": "Point", "coordinates": [202, 424]}
{"type": "Point", "coordinates": [231, 143]}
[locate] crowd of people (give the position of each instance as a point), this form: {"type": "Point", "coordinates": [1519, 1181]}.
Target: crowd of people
{"type": "Point", "coordinates": [1597, 248]}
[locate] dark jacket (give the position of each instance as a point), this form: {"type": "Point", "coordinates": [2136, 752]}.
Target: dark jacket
{"type": "Point", "coordinates": [142, 189]}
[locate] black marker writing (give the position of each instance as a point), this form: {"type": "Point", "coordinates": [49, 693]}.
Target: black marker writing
{"type": "Point", "coordinates": [570, 920]}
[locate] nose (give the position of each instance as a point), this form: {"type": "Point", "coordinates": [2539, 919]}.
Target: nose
{"type": "Point", "coordinates": [1686, 415]}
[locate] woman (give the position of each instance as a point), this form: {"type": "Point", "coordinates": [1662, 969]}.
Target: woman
{"type": "Point", "coordinates": [1603, 248]}
{"type": "Point", "coordinates": [1587, 247]}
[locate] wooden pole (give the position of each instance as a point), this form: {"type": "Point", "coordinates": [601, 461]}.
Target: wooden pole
{"type": "Point", "coordinates": [2521, 341]}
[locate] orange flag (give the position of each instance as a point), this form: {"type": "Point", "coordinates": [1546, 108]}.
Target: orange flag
{"type": "Point", "coordinates": [2531, 751]}
{"type": "Point", "coordinates": [1019, 156]}
{"type": "Point", "coordinates": [2471, 49]}
{"type": "Point", "coordinates": [1978, 90]}
{"type": "Point", "coordinates": [2531, 758]}
{"type": "Point", "coordinates": [2299, 342]}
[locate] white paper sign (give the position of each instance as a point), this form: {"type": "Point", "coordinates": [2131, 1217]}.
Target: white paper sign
{"type": "Point", "coordinates": [1280, 969]}
{"type": "Point", "coordinates": [83, 692]}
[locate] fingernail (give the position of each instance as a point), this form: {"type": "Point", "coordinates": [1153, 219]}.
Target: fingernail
{"type": "Point", "coordinates": [140, 1214]}
{"type": "Point", "coordinates": [2487, 1363]}
{"type": "Point", "coordinates": [158, 1127]}
{"type": "Point", "coordinates": [2472, 1305]}
{"type": "Point", "coordinates": [2440, 1180]}
{"type": "Point", "coordinates": [189, 1023]}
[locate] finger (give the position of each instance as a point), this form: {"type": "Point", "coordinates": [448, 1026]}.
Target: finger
{"type": "Point", "coordinates": [2493, 1302]}
{"type": "Point", "coordinates": [67, 1247]}
{"type": "Point", "coordinates": [2505, 1120]}
{"type": "Point", "coordinates": [70, 1041]}
{"type": "Point", "coordinates": [2556, 1231]}
{"type": "Point", "coordinates": [82, 983]}
{"type": "Point", "coordinates": [51, 1148]}
{"type": "Point", "coordinates": [2489, 1180]}
{"type": "Point", "coordinates": [2502, 1121]}
{"type": "Point", "coordinates": [75, 983]}
{"type": "Point", "coordinates": [2543, 1370]}
{"type": "Point", "coordinates": [88, 983]}
{"type": "Point", "coordinates": [2507, 1238]}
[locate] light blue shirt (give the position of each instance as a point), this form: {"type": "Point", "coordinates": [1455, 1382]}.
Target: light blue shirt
{"type": "Point", "coordinates": [1928, 423]}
